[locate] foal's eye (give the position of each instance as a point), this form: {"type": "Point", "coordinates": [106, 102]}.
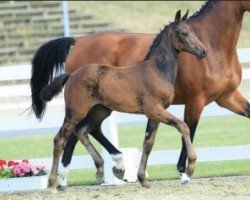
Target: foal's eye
{"type": "Point", "coordinates": [184, 34]}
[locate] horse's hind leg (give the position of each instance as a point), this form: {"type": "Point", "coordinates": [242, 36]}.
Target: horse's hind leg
{"type": "Point", "coordinates": [147, 147]}
{"type": "Point", "coordinates": [118, 169]}
{"type": "Point", "coordinates": [96, 116]}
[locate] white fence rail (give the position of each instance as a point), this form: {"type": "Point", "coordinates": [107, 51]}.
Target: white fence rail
{"type": "Point", "coordinates": [23, 125]}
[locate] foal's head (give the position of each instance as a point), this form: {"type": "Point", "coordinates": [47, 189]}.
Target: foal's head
{"type": "Point", "coordinates": [184, 38]}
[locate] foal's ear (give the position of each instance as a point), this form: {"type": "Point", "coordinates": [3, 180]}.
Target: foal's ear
{"type": "Point", "coordinates": [178, 16]}
{"type": "Point", "coordinates": [184, 18]}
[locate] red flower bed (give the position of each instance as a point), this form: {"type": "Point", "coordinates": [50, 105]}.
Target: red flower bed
{"type": "Point", "coordinates": [11, 169]}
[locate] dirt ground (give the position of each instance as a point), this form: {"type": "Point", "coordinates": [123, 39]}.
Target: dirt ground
{"type": "Point", "coordinates": [222, 188]}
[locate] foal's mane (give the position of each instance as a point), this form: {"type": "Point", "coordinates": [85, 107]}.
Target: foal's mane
{"type": "Point", "coordinates": [157, 40]}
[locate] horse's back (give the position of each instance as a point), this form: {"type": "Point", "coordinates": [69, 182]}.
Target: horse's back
{"type": "Point", "coordinates": [117, 49]}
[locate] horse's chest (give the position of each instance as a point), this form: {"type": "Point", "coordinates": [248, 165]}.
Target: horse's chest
{"type": "Point", "coordinates": [217, 81]}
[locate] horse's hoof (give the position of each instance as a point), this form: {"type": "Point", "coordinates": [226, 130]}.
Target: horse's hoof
{"type": "Point", "coordinates": [185, 179]}
{"type": "Point", "coordinates": [119, 173]}
{"type": "Point", "coordinates": [61, 188]}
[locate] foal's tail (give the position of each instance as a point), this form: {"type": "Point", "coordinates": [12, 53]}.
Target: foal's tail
{"type": "Point", "coordinates": [48, 61]}
{"type": "Point", "coordinates": [50, 91]}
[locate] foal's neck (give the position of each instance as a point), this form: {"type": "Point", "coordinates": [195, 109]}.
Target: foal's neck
{"type": "Point", "coordinates": [165, 58]}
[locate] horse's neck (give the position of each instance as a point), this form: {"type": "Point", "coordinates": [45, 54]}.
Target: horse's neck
{"type": "Point", "coordinates": [221, 25]}
{"type": "Point", "coordinates": [165, 59]}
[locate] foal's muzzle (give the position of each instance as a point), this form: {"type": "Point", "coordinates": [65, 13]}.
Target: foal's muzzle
{"type": "Point", "coordinates": [202, 54]}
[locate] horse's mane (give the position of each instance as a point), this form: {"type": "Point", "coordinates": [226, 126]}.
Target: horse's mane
{"type": "Point", "coordinates": [157, 40]}
{"type": "Point", "coordinates": [204, 8]}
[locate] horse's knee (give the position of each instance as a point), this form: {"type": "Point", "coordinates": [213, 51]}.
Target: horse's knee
{"type": "Point", "coordinates": [247, 110]}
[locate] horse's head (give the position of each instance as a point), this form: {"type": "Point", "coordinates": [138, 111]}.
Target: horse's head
{"type": "Point", "coordinates": [245, 5]}
{"type": "Point", "coordinates": [184, 38]}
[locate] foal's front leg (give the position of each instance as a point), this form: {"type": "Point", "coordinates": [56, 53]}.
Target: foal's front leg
{"type": "Point", "coordinates": [193, 110]}
{"type": "Point", "coordinates": [148, 143]}
{"type": "Point", "coordinates": [161, 115]}
{"type": "Point", "coordinates": [169, 119]}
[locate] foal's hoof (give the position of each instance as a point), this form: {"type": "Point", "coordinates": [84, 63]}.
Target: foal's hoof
{"type": "Point", "coordinates": [185, 179]}
{"type": "Point", "coordinates": [52, 183]}
{"type": "Point", "coordinates": [190, 171]}
{"type": "Point", "coordinates": [53, 191]}
{"type": "Point", "coordinates": [61, 188]}
{"type": "Point", "coordinates": [119, 173]}
{"type": "Point", "coordinates": [144, 184]}
{"type": "Point", "coordinates": [99, 179]}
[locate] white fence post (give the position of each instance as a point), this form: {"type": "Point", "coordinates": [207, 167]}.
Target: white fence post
{"type": "Point", "coordinates": [66, 26]}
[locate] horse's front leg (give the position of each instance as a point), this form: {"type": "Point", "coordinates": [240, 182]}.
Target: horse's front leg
{"type": "Point", "coordinates": [148, 143]}
{"type": "Point", "coordinates": [235, 102]}
{"type": "Point", "coordinates": [192, 113]}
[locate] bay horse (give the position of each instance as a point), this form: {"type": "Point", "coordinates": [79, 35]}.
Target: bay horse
{"type": "Point", "coordinates": [145, 88]}
{"type": "Point", "coordinates": [216, 79]}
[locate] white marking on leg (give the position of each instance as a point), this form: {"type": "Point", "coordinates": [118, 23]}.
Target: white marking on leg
{"type": "Point", "coordinates": [63, 172]}
{"type": "Point", "coordinates": [184, 178]}
{"type": "Point", "coordinates": [118, 159]}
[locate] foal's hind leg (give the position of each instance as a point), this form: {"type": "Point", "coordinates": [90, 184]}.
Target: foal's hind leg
{"type": "Point", "coordinates": [66, 160]}
{"type": "Point", "coordinates": [147, 147]}
{"type": "Point", "coordinates": [99, 162]}
{"type": "Point", "coordinates": [59, 142]}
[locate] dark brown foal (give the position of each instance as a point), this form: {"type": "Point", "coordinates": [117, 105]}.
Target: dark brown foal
{"type": "Point", "coordinates": [146, 88]}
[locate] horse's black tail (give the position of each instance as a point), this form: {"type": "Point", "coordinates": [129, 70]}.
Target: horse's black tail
{"type": "Point", "coordinates": [52, 90]}
{"type": "Point", "coordinates": [48, 61]}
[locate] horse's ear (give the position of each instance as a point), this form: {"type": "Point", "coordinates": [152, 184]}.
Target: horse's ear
{"type": "Point", "coordinates": [184, 18]}
{"type": "Point", "coordinates": [178, 16]}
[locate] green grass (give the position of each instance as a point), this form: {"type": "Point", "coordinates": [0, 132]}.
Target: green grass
{"type": "Point", "coordinates": [163, 172]}
{"type": "Point", "coordinates": [147, 16]}
{"type": "Point", "coordinates": [211, 132]}
{"type": "Point", "coordinates": [224, 131]}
